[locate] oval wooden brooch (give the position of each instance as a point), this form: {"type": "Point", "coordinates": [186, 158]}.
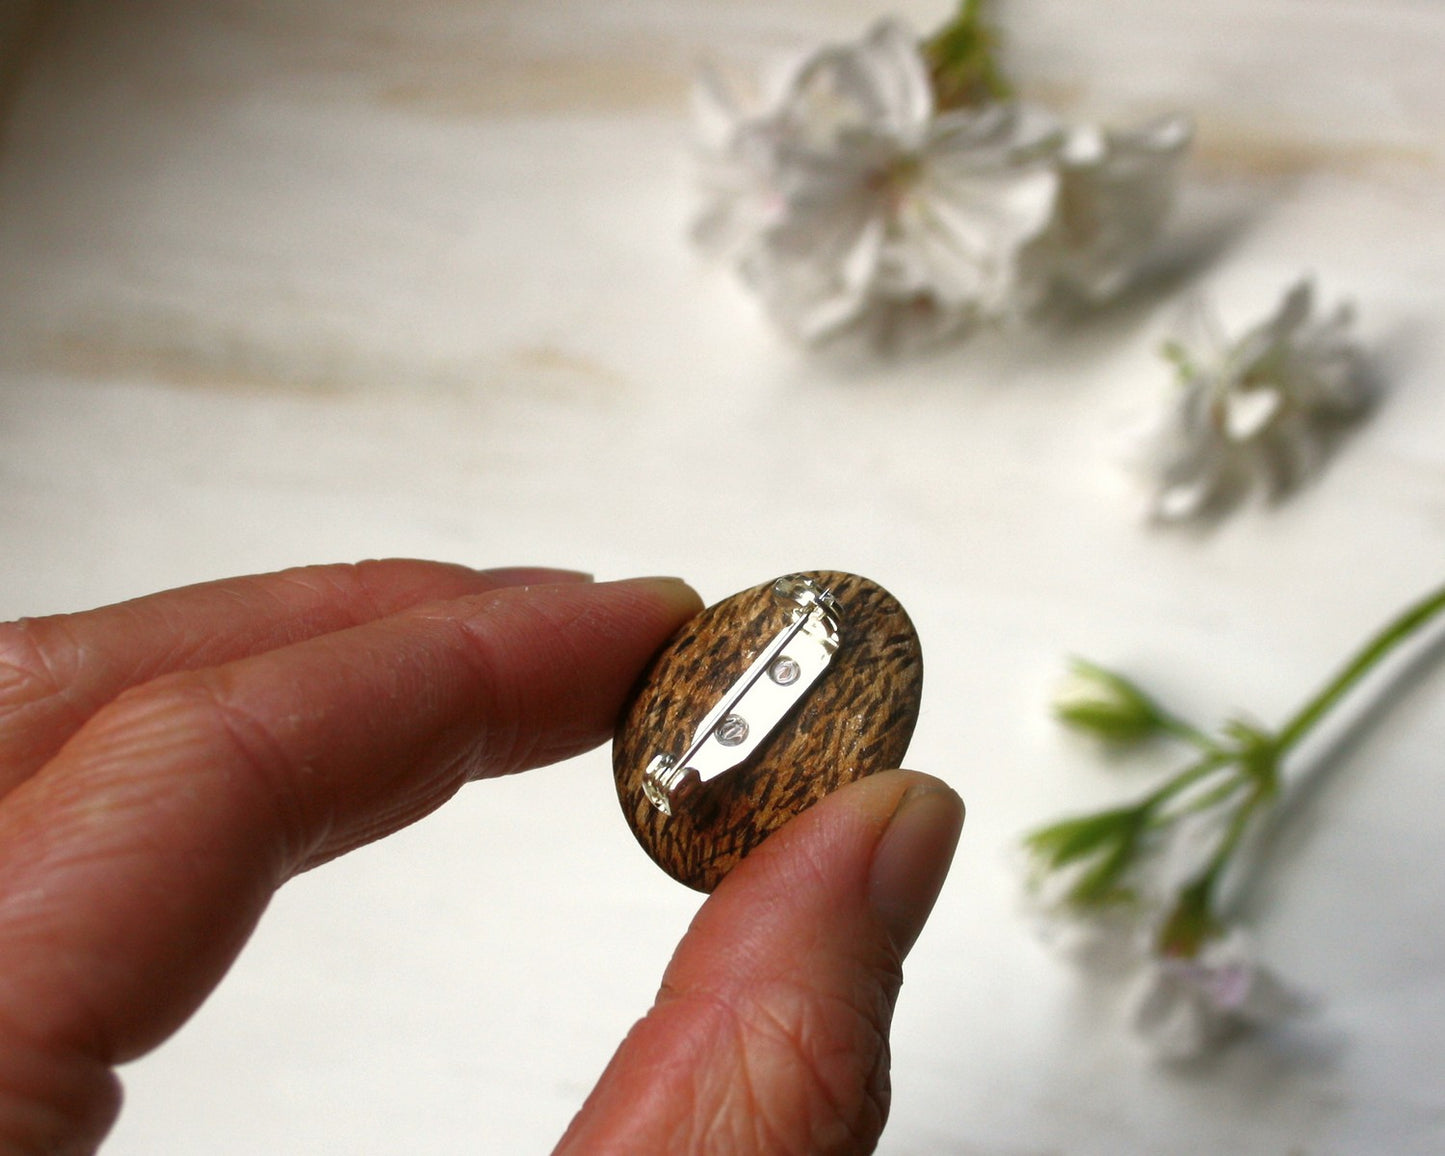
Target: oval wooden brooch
{"type": "Point", "coordinates": [759, 707]}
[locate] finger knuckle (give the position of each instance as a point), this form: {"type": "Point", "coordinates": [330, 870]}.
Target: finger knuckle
{"type": "Point", "coordinates": [810, 1073]}
{"type": "Point", "coordinates": [508, 742]}
{"type": "Point", "coordinates": [187, 722]}
{"type": "Point", "coordinates": [340, 584]}
{"type": "Point", "coordinates": [37, 662]}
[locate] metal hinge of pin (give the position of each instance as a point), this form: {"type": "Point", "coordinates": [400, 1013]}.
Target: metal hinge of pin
{"type": "Point", "coordinates": [751, 709]}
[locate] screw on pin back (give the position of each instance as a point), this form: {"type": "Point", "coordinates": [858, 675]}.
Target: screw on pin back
{"type": "Point", "coordinates": [753, 707]}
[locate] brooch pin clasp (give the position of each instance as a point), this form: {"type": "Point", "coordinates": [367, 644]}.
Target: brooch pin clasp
{"type": "Point", "coordinates": [751, 709]}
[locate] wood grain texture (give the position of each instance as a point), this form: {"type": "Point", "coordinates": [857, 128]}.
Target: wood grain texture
{"type": "Point", "coordinates": [855, 720]}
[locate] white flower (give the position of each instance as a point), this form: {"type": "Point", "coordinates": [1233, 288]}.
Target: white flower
{"type": "Point", "coordinates": [1264, 406]}
{"type": "Point", "coordinates": [848, 193]}
{"type": "Point", "coordinates": [1184, 1007]}
{"type": "Point", "coordinates": [1117, 189]}
{"type": "Point", "coordinates": [845, 196]}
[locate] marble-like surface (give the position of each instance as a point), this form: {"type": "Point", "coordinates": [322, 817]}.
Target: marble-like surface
{"type": "Point", "coordinates": [286, 282]}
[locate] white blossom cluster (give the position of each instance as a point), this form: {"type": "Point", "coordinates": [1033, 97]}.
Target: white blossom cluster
{"type": "Point", "coordinates": [847, 198]}
{"type": "Point", "coordinates": [1260, 409]}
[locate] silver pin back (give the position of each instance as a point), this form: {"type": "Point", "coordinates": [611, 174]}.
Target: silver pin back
{"type": "Point", "coordinates": [751, 709]}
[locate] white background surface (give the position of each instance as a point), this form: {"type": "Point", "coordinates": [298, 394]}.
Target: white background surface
{"type": "Point", "coordinates": [286, 282]}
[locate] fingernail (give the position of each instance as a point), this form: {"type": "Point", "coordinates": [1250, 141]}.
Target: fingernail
{"type": "Point", "coordinates": [912, 860]}
{"type": "Point", "coordinates": [673, 591]}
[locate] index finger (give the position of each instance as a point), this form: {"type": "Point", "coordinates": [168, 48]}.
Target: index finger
{"type": "Point", "coordinates": [56, 672]}
{"type": "Point", "coordinates": [134, 864]}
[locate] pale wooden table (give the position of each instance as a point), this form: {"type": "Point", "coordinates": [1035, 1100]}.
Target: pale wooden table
{"type": "Point", "coordinates": [286, 282]}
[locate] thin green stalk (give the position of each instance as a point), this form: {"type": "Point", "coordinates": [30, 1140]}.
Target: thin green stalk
{"type": "Point", "coordinates": [1213, 798]}
{"type": "Point", "coordinates": [1373, 651]}
{"type": "Point", "coordinates": [1186, 778]}
{"type": "Point", "coordinates": [1193, 920]}
{"type": "Point", "coordinates": [1188, 733]}
{"type": "Point", "coordinates": [1238, 824]}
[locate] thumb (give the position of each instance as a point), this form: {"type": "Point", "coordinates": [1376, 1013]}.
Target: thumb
{"type": "Point", "coordinates": [770, 1033]}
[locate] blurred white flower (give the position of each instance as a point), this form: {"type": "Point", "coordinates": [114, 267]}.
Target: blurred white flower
{"type": "Point", "coordinates": [1260, 407]}
{"type": "Point", "coordinates": [845, 195]}
{"type": "Point", "coordinates": [1117, 189]}
{"type": "Point", "coordinates": [1185, 1006]}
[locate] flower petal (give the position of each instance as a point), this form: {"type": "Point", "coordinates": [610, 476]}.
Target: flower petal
{"type": "Point", "coordinates": [1248, 411]}
{"type": "Point", "coordinates": [815, 271]}
{"type": "Point", "coordinates": [1170, 1016]}
{"type": "Point", "coordinates": [1116, 192]}
{"type": "Point", "coordinates": [878, 86]}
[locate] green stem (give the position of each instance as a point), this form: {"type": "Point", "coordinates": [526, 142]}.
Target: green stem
{"type": "Point", "coordinates": [1188, 733]}
{"type": "Point", "coordinates": [1194, 920]}
{"type": "Point", "coordinates": [1405, 625]}
{"type": "Point", "coordinates": [1380, 645]}
{"type": "Point", "coordinates": [1215, 797]}
{"type": "Point", "coordinates": [1186, 778]}
{"type": "Point", "coordinates": [1238, 824]}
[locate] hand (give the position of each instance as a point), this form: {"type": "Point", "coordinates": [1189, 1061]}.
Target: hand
{"type": "Point", "coordinates": [166, 763]}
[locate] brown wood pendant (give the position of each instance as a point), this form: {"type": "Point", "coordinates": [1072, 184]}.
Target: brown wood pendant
{"type": "Point", "coordinates": [853, 718]}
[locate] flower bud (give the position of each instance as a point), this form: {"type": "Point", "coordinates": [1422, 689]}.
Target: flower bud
{"type": "Point", "coordinates": [1101, 703]}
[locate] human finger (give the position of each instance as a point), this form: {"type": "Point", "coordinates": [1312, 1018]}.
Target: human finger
{"type": "Point", "coordinates": [57, 671]}
{"type": "Point", "coordinates": [134, 864]}
{"type": "Point", "coordinates": [770, 1033]}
